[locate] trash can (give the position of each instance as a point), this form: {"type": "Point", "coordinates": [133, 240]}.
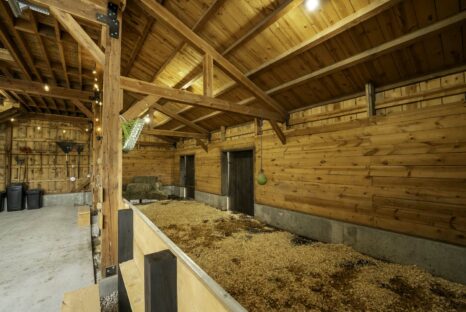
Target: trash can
{"type": "Point", "coordinates": [34, 198]}
{"type": "Point", "coordinates": [2, 200]}
{"type": "Point", "coordinates": [15, 197]}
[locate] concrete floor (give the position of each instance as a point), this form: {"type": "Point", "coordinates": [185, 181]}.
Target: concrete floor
{"type": "Point", "coordinates": [43, 254]}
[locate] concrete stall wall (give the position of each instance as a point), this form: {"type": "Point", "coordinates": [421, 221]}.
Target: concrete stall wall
{"type": "Point", "coordinates": [402, 171]}
{"type": "Point", "coordinates": [34, 144]}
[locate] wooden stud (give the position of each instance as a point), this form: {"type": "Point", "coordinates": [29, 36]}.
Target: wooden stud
{"type": "Point", "coordinates": [370, 97]}
{"type": "Point", "coordinates": [208, 75]}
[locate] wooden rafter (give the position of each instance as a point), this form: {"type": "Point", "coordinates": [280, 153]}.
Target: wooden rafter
{"type": "Point", "coordinates": [79, 34]}
{"type": "Point", "coordinates": [199, 24]}
{"type": "Point", "coordinates": [178, 134]}
{"type": "Point", "coordinates": [83, 108]}
{"type": "Point", "coordinates": [279, 12]}
{"type": "Point", "coordinates": [358, 58]}
{"type": "Point", "coordinates": [37, 88]}
{"type": "Point", "coordinates": [166, 111]}
{"type": "Point", "coordinates": [6, 56]}
{"type": "Point", "coordinates": [182, 96]}
{"type": "Point", "coordinates": [339, 27]}
{"type": "Point", "coordinates": [142, 105]}
{"type": "Point", "coordinates": [163, 14]}
{"type": "Point", "coordinates": [85, 9]}
{"type": "Point", "coordinates": [139, 44]}
{"type": "Point", "coordinates": [61, 52]}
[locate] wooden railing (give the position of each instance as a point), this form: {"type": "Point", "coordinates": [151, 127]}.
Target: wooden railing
{"type": "Point", "coordinates": [152, 256]}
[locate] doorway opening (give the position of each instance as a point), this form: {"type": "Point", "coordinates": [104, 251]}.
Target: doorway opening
{"type": "Point", "coordinates": [187, 176]}
{"type": "Point", "coordinates": [238, 180]}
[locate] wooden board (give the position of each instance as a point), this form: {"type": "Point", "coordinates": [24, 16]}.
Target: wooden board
{"type": "Point", "coordinates": [84, 299]}
{"type": "Point", "coordinates": [84, 216]}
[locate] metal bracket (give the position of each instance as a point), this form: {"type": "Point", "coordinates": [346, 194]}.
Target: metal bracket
{"type": "Point", "coordinates": [110, 271]}
{"type": "Point", "coordinates": [111, 19]}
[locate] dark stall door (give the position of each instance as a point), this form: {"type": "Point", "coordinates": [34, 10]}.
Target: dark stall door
{"type": "Point", "coordinates": [241, 182]}
{"type": "Point", "coordinates": [187, 174]}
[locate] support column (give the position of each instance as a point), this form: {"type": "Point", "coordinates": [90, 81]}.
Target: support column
{"type": "Point", "coordinates": [370, 95]}
{"type": "Point", "coordinates": [96, 160]}
{"type": "Point", "coordinates": [111, 153]}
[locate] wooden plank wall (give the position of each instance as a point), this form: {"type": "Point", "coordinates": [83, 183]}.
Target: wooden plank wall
{"type": "Point", "coordinates": [149, 161]}
{"type": "Point", "coordinates": [3, 155]}
{"type": "Point", "coordinates": [403, 170]}
{"type": "Point", "coordinates": [51, 175]}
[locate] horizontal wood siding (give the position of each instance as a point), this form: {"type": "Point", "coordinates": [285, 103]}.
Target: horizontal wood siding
{"type": "Point", "coordinates": [403, 170]}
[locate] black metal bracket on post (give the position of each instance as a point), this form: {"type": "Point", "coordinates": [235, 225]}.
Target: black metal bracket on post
{"type": "Point", "coordinates": [111, 19]}
{"type": "Point", "coordinates": [160, 286]}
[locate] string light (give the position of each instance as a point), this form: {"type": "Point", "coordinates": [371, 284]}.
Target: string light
{"type": "Point", "coordinates": [147, 119]}
{"type": "Point", "coordinates": [38, 128]}
{"type": "Point", "coordinates": [64, 131]}
{"type": "Point", "coordinates": [87, 130]}
{"type": "Point", "coordinates": [12, 119]}
{"type": "Point", "coordinates": [94, 72]}
{"type": "Point", "coordinates": [46, 88]}
{"type": "Point", "coordinates": [97, 120]}
{"type": "Point", "coordinates": [99, 129]}
{"type": "Point", "coordinates": [311, 5]}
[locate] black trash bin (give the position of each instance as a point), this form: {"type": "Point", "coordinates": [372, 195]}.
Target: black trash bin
{"type": "Point", "coordinates": [34, 198]}
{"type": "Point", "coordinates": [15, 197]}
{"type": "Point", "coordinates": [2, 200]}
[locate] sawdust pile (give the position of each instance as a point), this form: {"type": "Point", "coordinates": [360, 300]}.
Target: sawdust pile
{"type": "Point", "coordinates": [266, 269]}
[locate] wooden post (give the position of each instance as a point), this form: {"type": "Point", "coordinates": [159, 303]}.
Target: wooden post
{"type": "Point", "coordinates": [96, 160]}
{"type": "Point", "coordinates": [208, 75]}
{"type": "Point", "coordinates": [160, 291]}
{"type": "Point", "coordinates": [111, 153]}
{"type": "Point", "coordinates": [8, 156]}
{"type": "Point", "coordinates": [370, 95]}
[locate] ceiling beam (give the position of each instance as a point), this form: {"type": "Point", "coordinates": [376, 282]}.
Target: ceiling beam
{"type": "Point", "coordinates": [6, 56]}
{"type": "Point", "coordinates": [182, 96]}
{"type": "Point", "coordinates": [166, 111]}
{"type": "Point", "coordinates": [339, 27]}
{"type": "Point", "coordinates": [55, 117]}
{"type": "Point", "coordinates": [373, 53]}
{"type": "Point", "coordinates": [61, 52]}
{"type": "Point", "coordinates": [85, 9]}
{"type": "Point", "coordinates": [163, 14]}
{"type": "Point", "coordinates": [79, 34]}
{"type": "Point", "coordinates": [177, 134]}
{"type": "Point", "coordinates": [83, 108]}
{"type": "Point", "coordinates": [139, 107]}
{"type": "Point", "coordinates": [37, 88]}
{"type": "Point", "coordinates": [357, 59]}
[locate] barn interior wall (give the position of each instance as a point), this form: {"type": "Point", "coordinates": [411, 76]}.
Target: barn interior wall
{"type": "Point", "coordinates": [401, 171]}
{"type": "Point", "coordinates": [44, 166]}
{"type": "Point", "coordinates": [149, 161]}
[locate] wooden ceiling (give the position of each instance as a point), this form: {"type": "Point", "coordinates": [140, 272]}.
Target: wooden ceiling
{"type": "Point", "coordinates": [300, 58]}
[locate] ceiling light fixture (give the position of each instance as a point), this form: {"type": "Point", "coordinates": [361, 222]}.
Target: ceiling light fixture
{"type": "Point", "coordinates": [311, 5]}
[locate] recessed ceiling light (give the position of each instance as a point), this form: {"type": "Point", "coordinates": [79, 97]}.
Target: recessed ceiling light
{"type": "Point", "coordinates": [311, 5]}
